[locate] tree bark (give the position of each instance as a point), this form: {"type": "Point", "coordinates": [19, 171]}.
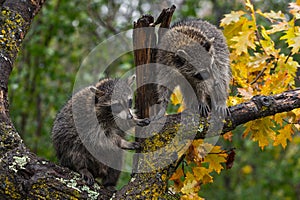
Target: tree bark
{"type": "Point", "coordinates": [25, 176]}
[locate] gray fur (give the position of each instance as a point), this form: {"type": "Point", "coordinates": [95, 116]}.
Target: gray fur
{"type": "Point", "coordinates": [197, 50]}
{"type": "Point", "coordinates": [87, 121]}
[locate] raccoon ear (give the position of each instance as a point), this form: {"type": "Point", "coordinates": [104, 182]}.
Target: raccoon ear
{"type": "Point", "coordinates": [131, 80]}
{"type": "Point", "coordinates": [96, 91]}
{"type": "Point", "coordinates": [183, 54]}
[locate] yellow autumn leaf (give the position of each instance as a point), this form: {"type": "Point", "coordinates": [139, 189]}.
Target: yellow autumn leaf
{"type": "Point", "coordinates": [278, 118]}
{"type": "Point", "coordinates": [189, 187]}
{"type": "Point", "coordinates": [291, 66]}
{"type": "Point", "coordinates": [296, 43]}
{"type": "Point", "coordinates": [202, 175]}
{"type": "Point", "coordinates": [276, 83]}
{"type": "Point", "coordinates": [215, 159]}
{"type": "Point", "coordinates": [260, 63]}
{"type": "Point", "coordinates": [193, 196]}
{"type": "Point", "coordinates": [249, 5]}
{"type": "Point", "coordinates": [278, 27]}
{"type": "Point", "coordinates": [177, 98]}
{"type": "Point", "coordinates": [215, 162]}
{"type": "Point", "coordinates": [272, 16]}
{"type": "Point", "coordinates": [176, 177]}
{"type": "Point", "coordinates": [292, 116]}
{"type": "Point", "coordinates": [240, 76]}
{"type": "Point", "coordinates": [284, 135]}
{"type": "Point", "coordinates": [268, 44]}
{"type": "Point", "coordinates": [296, 120]}
{"type": "Point", "coordinates": [232, 101]}
{"type": "Point", "coordinates": [289, 33]}
{"type": "Point", "coordinates": [209, 147]}
{"type": "Point", "coordinates": [244, 41]}
{"type": "Point", "coordinates": [247, 93]}
{"type": "Point", "coordinates": [295, 9]}
{"type": "Point", "coordinates": [233, 17]}
{"type": "Point", "coordinates": [181, 108]}
{"type": "Point", "coordinates": [261, 131]}
{"type": "Point", "coordinates": [233, 29]}
{"type": "Point", "coordinates": [218, 150]}
{"type": "Point", "coordinates": [199, 150]}
{"type": "Point", "coordinates": [190, 184]}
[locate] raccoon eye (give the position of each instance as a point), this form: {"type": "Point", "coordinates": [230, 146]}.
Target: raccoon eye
{"type": "Point", "coordinates": [129, 103]}
{"type": "Point", "coordinates": [179, 60]}
{"type": "Point", "coordinates": [96, 100]}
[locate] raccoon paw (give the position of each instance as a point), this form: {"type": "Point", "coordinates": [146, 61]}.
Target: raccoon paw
{"type": "Point", "coordinates": [143, 122]}
{"type": "Point", "coordinates": [222, 111]}
{"type": "Point", "coordinates": [87, 176]}
{"type": "Point", "coordinates": [204, 109]}
{"type": "Point", "coordinates": [130, 145]}
{"type": "Point", "coordinates": [136, 145]}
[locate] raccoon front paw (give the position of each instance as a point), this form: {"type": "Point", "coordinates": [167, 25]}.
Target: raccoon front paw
{"type": "Point", "coordinates": [143, 122]}
{"type": "Point", "coordinates": [222, 111]}
{"type": "Point", "coordinates": [130, 145]}
{"type": "Point", "coordinates": [87, 176]}
{"type": "Point", "coordinates": [136, 145]}
{"type": "Point", "coordinates": [204, 109]}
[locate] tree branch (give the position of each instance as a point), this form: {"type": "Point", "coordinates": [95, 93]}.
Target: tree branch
{"type": "Point", "coordinates": [258, 107]}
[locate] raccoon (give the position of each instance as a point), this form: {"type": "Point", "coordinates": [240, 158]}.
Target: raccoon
{"type": "Point", "coordinates": [93, 124]}
{"type": "Point", "coordinates": [197, 50]}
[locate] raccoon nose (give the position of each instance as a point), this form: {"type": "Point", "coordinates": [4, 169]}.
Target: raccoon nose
{"type": "Point", "coordinates": [129, 116]}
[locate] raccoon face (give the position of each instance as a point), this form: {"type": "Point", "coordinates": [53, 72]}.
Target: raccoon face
{"type": "Point", "coordinates": [194, 61]}
{"type": "Point", "coordinates": [122, 109]}
{"type": "Point", "coordinates": [113, 98]}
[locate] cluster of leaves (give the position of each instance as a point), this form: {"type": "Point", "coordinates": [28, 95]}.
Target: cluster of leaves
{"type": "Point", "coordinates": [263, 63]}
{"type": "Point", "coordinates": [264, 47]}
{"type": "Point", "coordinates": [202, 159]}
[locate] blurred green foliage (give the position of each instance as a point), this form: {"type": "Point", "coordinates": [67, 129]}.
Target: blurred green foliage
{"type": "Point", "coordinates": [65, 32]}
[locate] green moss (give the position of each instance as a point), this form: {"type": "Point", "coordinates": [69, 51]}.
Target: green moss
{"type": "Point", "coordinates": [264, 108]}
{"type": "Point", "coordinates": [9, 138]}
{"type": "Point", "coordinates": [41, 190]}
{"type": "Point", "coordinates": [230, 124]}
{"type": "Point", "coordinates": [12, 31]}
{"type": "Point", "coordinates": [19, 163]}
{"type": "Point", "coordinates": [10, 189]}
{"type": "Point", "coordinates": [92, 194]}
